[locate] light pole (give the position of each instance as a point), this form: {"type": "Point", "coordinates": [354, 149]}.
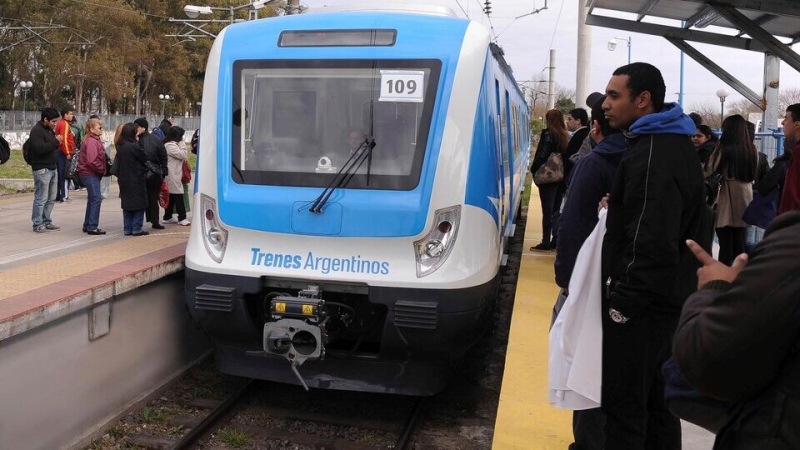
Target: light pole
{"type": "Point", "coordinates": [612, 45]}
{"type": "Point", "coordinates": [194, 12]}
{"type": "Point", "coordinates": [164, 98]}
{"type": "Point", "coordinates": [24, 87]}
{"type": "Point", "coordinates": [722, 94]}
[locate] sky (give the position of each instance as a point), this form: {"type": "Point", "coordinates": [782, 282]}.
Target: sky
{"type": "Point", "coordinates": [527, 39]}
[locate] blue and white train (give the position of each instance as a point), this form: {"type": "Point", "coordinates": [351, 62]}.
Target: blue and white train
{"type": "Point", "coordinates": [359, 174]}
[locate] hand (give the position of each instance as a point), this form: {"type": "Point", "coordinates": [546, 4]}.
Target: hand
{"type": "Point", "coordinates": [603, 202]}
{"type": "Point", "coordinates": [713, 269]}
{"type": "Point", "coordinates": [59, 138]}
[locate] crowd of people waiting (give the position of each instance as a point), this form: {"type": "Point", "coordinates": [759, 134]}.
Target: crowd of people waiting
{"type": "Point", "coordinates": [146, 165]}
{"type": "Point", "coordinates": [732, 324]}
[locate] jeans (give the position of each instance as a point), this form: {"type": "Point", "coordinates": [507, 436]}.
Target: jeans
{"type": "Point", "coordinates": [92, 218]}
{"type": "Point", "coordinates": [550, 204]}
{"type": "Point", "coordinates": [132, 221]}
{"type": "Point", "coordinates": [63, 185]}
{"type": "Point", "coordinates": [44, 196]}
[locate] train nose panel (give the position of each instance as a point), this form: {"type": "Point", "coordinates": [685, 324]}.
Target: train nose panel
{"type": "Point", "coordinates": [328, 222]}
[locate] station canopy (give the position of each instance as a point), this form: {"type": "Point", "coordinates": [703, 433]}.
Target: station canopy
{"type": "Point", "coordinates": [767, 26]}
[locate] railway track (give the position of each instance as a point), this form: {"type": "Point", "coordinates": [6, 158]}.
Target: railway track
{"type": "Point", "coordinates": [209, 410]}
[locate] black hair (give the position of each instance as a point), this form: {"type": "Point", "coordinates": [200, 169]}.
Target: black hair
{"type": "Point", "coordinates": [645, 77]}
{"type": "Point", "coordinates": [795, 111]}
{"type": "Point", "coordinates": [738, 157]}
{"type": "Point", "coordinates": [696, 118]}
{"type": "Point", "coordinates": [600, 116]}
{"type": "Point", "coordinates": [174, 134]}
{"type": "Point", "coordinates": [707, 132]}
{"type": "Point", "coordinates": [66, 110]}
{"type": "Point", "coordinates": [580, 115]}
{"type": "Point", "coordinates": [50, 114]}
{"type": "Point", "coordinates": [128, 132]}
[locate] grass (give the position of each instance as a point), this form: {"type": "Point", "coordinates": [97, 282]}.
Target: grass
{"type": "Point", "coordinates": [16, 167]}
{"type": "Point", "coordinates": [234, 437]}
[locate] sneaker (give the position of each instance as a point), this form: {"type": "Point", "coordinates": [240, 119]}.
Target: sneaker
{"type": "Point", "coordinates": [542, 247]}
{"type": "Point", "coordinates": [170, 220]}
{"type": "Point", "coordinates": [39, 229]}
{"type": "Point", "coordinates": [96, 232]}
{"type": "Point", "coordinates": [185, 222]}
{"type": "Point", "coordinates": [140, 233]}
{"type": "Point", "coordinates": [52, 227]}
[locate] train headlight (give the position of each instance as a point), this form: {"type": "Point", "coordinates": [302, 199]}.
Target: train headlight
{"type": "Point", "coordinates": [433, 249]}
{"type": "Point", "coordinates": [215, 237]}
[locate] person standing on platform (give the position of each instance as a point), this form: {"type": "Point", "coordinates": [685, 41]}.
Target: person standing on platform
{"type": "Point", "coordinates": [91, 168]}
{"type": "Point", "coordinates": [132, 185]}
{"type": "Point", "coordinates": [736, 158]}
{"type": "Point", "coordinates": [78, 132]}
{"type": "Point", "coordinates": [178, 153]}
{"type": "Point", "coordinates": [157, 154]}
{"type": "Point", "coordinates": [790, 197]}
{"type": "Point", "coordinates": [43, 145]}
{"type": "Point", "coordinates": [67, 150]}
{"type": "Point", "coordinates": [656, 203]}
{"type": "Point", "coordinates": [590, 180]}
{"type": "Point", "coordinates": [553, 139]}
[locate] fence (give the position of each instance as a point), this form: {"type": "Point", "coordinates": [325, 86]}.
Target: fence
{"type": "Point", "coordinates": [770, 143]}
{"type": "Point", "coordinates": [19, 122]}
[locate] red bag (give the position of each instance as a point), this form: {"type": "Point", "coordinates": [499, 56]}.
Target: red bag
{"type": "Point", "coordinates": [163, 195]}
{"type": "Point", "coordinates": [186, 176]}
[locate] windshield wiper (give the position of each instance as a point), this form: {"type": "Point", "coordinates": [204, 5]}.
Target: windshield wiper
{"type": "Point", "coordinates": [345, 174]}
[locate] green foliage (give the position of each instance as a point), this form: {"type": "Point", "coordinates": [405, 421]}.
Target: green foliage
{"type": "Point", "coordinates": [107, 56]}
{"type": "Point", "coordinates": [565, 105]}
{"type": "Point", "coordinates": [152, 416]}
{"type": "Point", "coordinates": [234, 437]}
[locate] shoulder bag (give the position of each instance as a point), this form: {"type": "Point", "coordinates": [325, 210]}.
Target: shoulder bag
{"type": "Point", "coordinates": [552, 171]}
{"type": "Point", "coordinates": [153, 176]}
{"type": "Point", "coordinates": [762, 209]}
{"type": "Point", "coordinates": [186, 173]}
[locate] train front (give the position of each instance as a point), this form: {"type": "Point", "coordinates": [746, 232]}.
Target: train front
{"type": "Point", "coordinates": [334, 248]}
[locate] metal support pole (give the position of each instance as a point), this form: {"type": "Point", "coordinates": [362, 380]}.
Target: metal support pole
{"type": "Point", "coordinates": [551, 84]}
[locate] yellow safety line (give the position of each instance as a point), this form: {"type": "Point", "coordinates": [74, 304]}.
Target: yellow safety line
{"type": "Point", "coordinates": [525, 419]}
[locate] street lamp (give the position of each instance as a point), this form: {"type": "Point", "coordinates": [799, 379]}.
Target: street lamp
{"type": "Point", "coordinates": [612, 45]}
{"type": "Point", "coordinates": [164, 98]}
{"type": "Point", "coordinates": [25, 87]}
{"type": "Point", "coordinates": [722, 94]}
{"type": "Point", "coordinates": [194, 12]}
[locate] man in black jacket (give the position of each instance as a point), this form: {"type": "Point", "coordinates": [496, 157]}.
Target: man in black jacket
{"type": "Point", "coordinates": [738, 338]}
{"type": "Point", "coordinates": [42, 147]}
{"type": "Point", "coordinates": [656, 203]}
{"type": "Point", "coordinates": [157, 154]}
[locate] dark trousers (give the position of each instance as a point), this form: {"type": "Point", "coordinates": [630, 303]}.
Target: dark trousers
{"type": "Point", "coordinates": [61, 168]}
{"type": "Point", "coordinates": [587, 428]}
{"type": "Point", "coordinates": [152, 211]}
{"type": "Point", "coordinates": [636, 415]}
{"type": "Point", "coordinates": [176, 204]}
{"type": "Point", "coordinates": [547, 195]}
{"type": "Point", "coordinates": [731, 243]}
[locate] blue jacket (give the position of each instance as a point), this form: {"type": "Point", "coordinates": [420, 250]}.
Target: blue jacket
{"type": "Point", "coordinates": [589, 181]}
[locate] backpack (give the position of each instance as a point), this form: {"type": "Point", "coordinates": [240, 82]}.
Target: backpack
{"type": "Point", "coordinates": [5, 150]}
{"type": "Point", "coordinates": [159, 133]}
{"type": "Point", "coordinates": [26, 151]}
{"type": "Point", "coordinates": [195, 142]}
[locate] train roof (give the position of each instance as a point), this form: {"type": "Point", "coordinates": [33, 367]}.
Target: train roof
{"type": "Point", "coordinates": [401, 7]}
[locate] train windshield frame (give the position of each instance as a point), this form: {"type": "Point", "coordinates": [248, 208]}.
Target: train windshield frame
{"type": "Point", "coordinates": [297, 122]}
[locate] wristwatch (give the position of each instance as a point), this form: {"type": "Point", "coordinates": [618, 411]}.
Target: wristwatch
{"type": "Point", "coordinates": [617, 316]}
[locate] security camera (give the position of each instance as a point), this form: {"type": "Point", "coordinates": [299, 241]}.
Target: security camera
{"type": "Point", "coordinates": [612, 44]}
{"type": "Point", "coordinates": [194, 11]}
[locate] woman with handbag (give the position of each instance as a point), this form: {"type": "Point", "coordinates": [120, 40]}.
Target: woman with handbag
{"type": "Point", "coordinates": [177, 153]}
{"type": "Point", "coordinates": [548, 172]}
{"type": "Point", "coordinates": [736, 158]}
{"type": "Point", "coordinates": [91, 169]}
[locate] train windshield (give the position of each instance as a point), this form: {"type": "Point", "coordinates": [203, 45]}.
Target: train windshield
{"type": "Point", "coordinates": [297, 123]}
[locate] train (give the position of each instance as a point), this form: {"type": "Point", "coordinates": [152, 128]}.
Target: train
{"type": "Point", "coordinates": [358, 178]}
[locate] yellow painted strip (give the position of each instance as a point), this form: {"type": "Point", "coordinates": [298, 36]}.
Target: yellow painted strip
{"type": "Point", "coordinates": [525, 420]}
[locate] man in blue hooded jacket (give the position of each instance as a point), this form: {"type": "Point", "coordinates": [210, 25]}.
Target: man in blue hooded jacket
{"type": "Point", "coordinates": [656, 203]}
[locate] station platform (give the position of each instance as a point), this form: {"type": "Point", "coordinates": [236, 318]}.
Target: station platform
{"type": "Point", "coordinates": [44, 276]}
{"type": "Point", "coordinates": [525, 419]}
